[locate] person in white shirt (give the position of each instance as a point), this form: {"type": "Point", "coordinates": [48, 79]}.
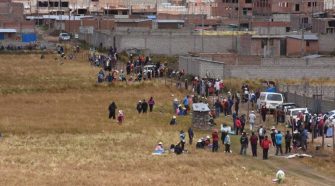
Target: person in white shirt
{"type": "Point", "coordinates": [252, 119]}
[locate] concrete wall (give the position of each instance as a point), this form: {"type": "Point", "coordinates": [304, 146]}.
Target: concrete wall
{"type": "Point", "coordinates": [161, 42]}
{"type": "Point", "coordinates": [327, 43]}
{"type": "Point", "coordinates": [280, 72]}
{"type": "Point", "coordinates": [316, 68]}
{"type": "Point", "coordinates": [201, 67]}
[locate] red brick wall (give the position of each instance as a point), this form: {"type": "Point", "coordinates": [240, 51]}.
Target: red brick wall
{"type": "Point", "coordinates": [72, 26]}
{"type": "Point", "coordinates": [294, 47]}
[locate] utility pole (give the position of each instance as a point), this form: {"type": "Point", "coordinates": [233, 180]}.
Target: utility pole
{"type": "Point", "coordinates": [202, 28]}
{"type": "Point", "coordinates": [302, 30]}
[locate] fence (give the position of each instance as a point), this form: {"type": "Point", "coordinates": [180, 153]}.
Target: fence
{"type": "Point", "coordinates": [312, 97]}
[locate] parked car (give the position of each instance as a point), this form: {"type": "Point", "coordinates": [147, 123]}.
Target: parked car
{"type": "Point", "coordinates": [286, 106]}
{"type": "Point", "coordinates": [64, 37]}
{"type": "Point", "coordinates": [270, 99]}
{"type": "Point", "coordinates": [293, 113]}
{"type": "Point", "coordinates": [331, 114]}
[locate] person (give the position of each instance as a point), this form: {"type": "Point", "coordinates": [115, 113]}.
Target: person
{"type": "Point", "coordinates": [288, 139]}
{"type": "Point", "coordinates": [280, 176]}
{"type": "Point", "coordinates": [217, 106]}
{"type": "Point", "coordinates": [178, 149]}
{"type": "Point", "coordinates": [190, 135]}
{"type": "Point", "coordinates": [120, 117]}
{"type": "Point", "coordinates": [296, 140]}
{"type": "Point", "coordinates": [186, 104]}
{"type": "Point", "coordinates": [173, 120]}
{"type": "Point", "coordinates": [236, 105]}
{"type": "Point", "coordinates": [144, 106]}
{"type": "Point", "coordinates": [261, 134]}
{"type": "Point", "coordinates": [279, 138]}
{"type": "Point", "coordinates": [151, 103]}
{"type": "Point", "coordinates": [101, 76]}
{"type": "Point", "coordinates": [252, 119]}
{"type": "Point", "coordinates": [159, 149]}
{"type": "Point", "coordinates": [304, 137]}
{"type": "Point", "coordinates": [139, 107]}
{"type": "Point", "coordinates": [242, 119]}
{"type": "Point", "coordinates": [266, 143]}
{"type": "Point", "coordinates": [227, 143]}
{"type": "Point", "coordinates": [224, 131]}
{"type": "Point", "coordinates": [182, 139]}
{"type": "Point", "coordinates": [175, 104]}
{"type": "Point", "coordinates": [273, 135]}
{"type": "Point", "coordinates": [215, 137]}
{"type": "Point", "coordinates": [200, 144]}
{"type": "Point", "coordinates": [253, 142]}
{"type": "Point", "coordinates": [244, 143]}
{"type": "Point", "coordinates": [263, 112]}
{"type": "Point", "coordinates": [238, 125]}
{"type": "Point", "coordinates": [112, 107]}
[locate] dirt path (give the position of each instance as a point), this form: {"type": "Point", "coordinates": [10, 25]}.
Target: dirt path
{"type": "Point", "coordinates": [307, 174]}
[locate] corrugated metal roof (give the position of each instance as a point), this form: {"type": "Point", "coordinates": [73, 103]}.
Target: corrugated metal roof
{"type": "Point", "coordinates": [306, 37]}
{"type": "Point", "coordinates": [7, 30]}
{"type": "Point", "coordinates": [58, 17]}
{"type": "Point", "coordinates": [200, 107]}
{"type": "Point", "coordinates": [169, 21]}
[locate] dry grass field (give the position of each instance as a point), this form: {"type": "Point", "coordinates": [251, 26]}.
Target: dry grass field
{"type": "Point", "coordinates": [53, 118]}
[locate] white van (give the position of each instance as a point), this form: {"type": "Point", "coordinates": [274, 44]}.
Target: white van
{"type": "Point", "coordinates": [270, 99]}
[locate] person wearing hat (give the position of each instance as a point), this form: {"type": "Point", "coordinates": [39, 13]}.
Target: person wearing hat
{"type": "Point", "coordinates": [279, 139]}
{"type": "Point", "coordinates": [200, 144]}
{"type": "Point", "coordinates": [120, 117]}
{"type": "Point", "coordinates": [173, 120]}
{"type": "Point", "coordinates": [159, 148]}
{"type": "Point", "coordinates": [252, 119]}
{"type": "Point", "coordinates": [139, 107]}
{"type": "Point", "coordinates": [266, 143]}
{"type": "Point", "coordinates": [207, 141]}
{"type": "Point", "coordinates": [288, 139]}
{"type": "Point", "coordinates": [182, 139]}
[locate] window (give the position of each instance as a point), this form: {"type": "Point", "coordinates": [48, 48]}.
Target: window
{"type": "Point", "coordinates": [307, 43]}
{"type": "Point", "coordinates": [248, 1]}
{"type": "Point", "coordinates": [263, 43]}
{"type": "Point", "coordinates": [274, 97]}
{"type": "Point", "coordinates": [271, 42]}
{"type": "Point", "coordinates": [309, 4]}
{"type": "Point", "coordinates": [288, 29]}
{"type": "Point", "coordinates": [297, 7]}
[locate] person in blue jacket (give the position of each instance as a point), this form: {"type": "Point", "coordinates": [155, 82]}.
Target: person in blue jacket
{"type": "Point", "coordinates": [279, 138]}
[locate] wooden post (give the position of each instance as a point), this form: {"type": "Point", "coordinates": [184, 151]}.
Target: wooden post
{"type": "Point", "coordinates": [313, 134]}
{"type": "Point", "coordinates": [323, 136]}
{"type": "Point", "coordinates": [333, 138]}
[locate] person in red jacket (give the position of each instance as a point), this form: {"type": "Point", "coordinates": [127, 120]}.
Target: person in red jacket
{"type": "Point", "coordinates": [266, 143]}
{"type": "Point", "coordinates": [215, 137]}
{"type": "Point", "coordinates": [238, 125]}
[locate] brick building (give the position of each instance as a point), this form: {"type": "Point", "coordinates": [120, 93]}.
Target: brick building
{"type": "Point", "coordinates": [309, 44]}
{"type": "Point", "coordinates": [13, 24]}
